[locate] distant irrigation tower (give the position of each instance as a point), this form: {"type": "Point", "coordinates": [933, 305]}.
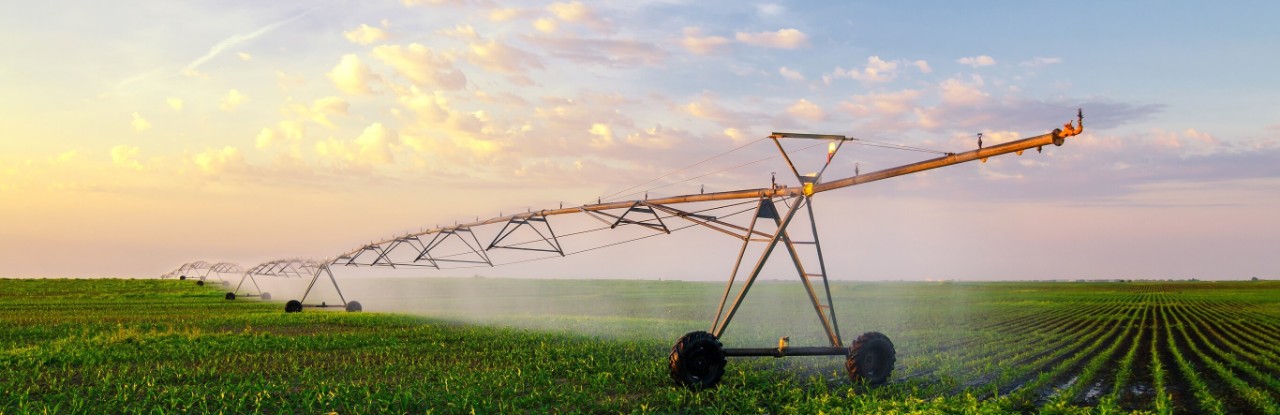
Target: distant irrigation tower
{"type": "Point", "coordinates": [202, 271]}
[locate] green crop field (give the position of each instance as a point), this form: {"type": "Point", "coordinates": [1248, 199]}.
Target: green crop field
{"type": "Point", "coordinates": [519, 346]}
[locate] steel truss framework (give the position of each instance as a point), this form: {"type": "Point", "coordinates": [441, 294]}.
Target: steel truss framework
{"type": "Point", "coordinates": [319, 268]}
{"type": "Point", "coordinates": [204, 270]}
{"type": "Point", "coordinates": [426, 249]}
{"type": "Point", "coordinates": [280, 268]}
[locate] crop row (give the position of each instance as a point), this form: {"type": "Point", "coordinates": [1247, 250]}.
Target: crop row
{"type": "Point", "coordinates": [1154, 348]}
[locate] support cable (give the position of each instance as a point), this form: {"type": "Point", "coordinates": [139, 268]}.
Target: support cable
{"type": "Point", "coordinates": [610, 197]}
{"type": "Point", "coordinates": [646, 191]}
{"type": "Point", "coordinates": [895, 146]}
{"type": "Point", "coordinates": [605, 228]}
{"type": "Point", "coordinates": [606, 245]}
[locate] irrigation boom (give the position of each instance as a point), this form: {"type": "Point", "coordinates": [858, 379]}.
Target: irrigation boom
{"type": "Point", "coordinates": [698, 358]}
{"type": "Point", "coordinates": [1057, 137]}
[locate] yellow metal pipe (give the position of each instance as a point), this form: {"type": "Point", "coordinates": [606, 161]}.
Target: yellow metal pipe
{"type": "Point", "coordinates": [1056, 137]}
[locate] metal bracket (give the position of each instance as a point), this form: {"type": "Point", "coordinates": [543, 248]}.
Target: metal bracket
{"type": "Point", "coordinates": [530, 220]}
{"type": "Point", "coordinates": [637, 207]}
{"type": "Point", "coordinates": [325, 269]}
{"type": "Point", "coordinates": [445, 235]}
{"type": "Point", "coordinates": [711, 222]}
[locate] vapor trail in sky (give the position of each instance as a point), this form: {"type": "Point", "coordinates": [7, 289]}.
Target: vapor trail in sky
{"type": "Point", "coordinates": [238, 39]}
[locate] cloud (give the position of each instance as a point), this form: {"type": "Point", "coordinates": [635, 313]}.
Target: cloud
{"type": "Point", "coordinates": [791, 75]}
{"type": "Point", "coordinates": [219, 160]}
{"type": "Point", "coordinates": [698, 44]}
{"type": "Point", "coordinates": [411, 3]}
{"type": "Point", "coordinates": [244, 56]}
{"type": "Point", "coordinates": [422, 66]}
{"type": "Point", "coordinates": [1202, 137]}
{"type": "Point", "coordinates": [463, 31]}
{"type": "Point", "coordinates": [175, 103]}
{"type": "Point", "coordinates": [734, 134]}
{"type": "Point", "coordinates": [232, 100]}
{"type": "Point", "coordinates": [287, 132]}
{"type": "Point", "coordinates": [499, 57]}
{"type": "Point", "coordinates": [140, 124]}
{"type": "Point", "coordinates": [966, 108]}
{"type": "Point", "coordinates": [352, 76]}
{"type": "Point", "coordinates": [577, 12]}
{"type": "Point", "coordinates": [372, 148]}
{"type": "Point", "coordinates": [573, 115]}
{"type": "Point", "coordinates": [708, 107]}
{"type": "Point", "coordinates": [888, 104]}
{"type": "Point", "coordinates": [375, 144]}
{"type": "Point", "coordinates": [781, 39]}
{"type": "Point", "coordinates": [66, 157]}
{"type": "Point", "coordinates": [452, 150]}
{"type": "Point", "coordinates": [286, 81]}
{"type": "Point", "coordinates": [1040, 61]}
{"type": "Point", "coordinates": [770, 9]}
{"type": "Point", "coordinates": [806, 110]}
{"type": "Point", "coordinates": [365, 35]}
{"type": "Point", "coordinates": [267, 138]}
{"type": "Point", "coordinates": [923, 66]}
{"type": "Point", "coordinates": [657, 138]}
{"type": "Point", "coordinates": [545, 25]}
{"type": "Point", "coordinates": [977, 61]}
{"type": "Point", "coordinates": [322, 109]}
{"type": "Point", "coordinates": [603, 136]}
{"type": "Point", "coordinates": [876, 71]}
{"type": "Point", "coordinates": [433, 106]}
{"type": "Point", "coordinates": [611, 52]}
{"type": "Point", "coordinates": [444, 137]}
{"type": "Point", "coordinates": [1190, 142]}
{"type": "Point", "coordinates": [506, 14]}
{"type": "Point", "coordinates": [124, 156]}
{"type": "Point", "coordinates": [956, 91]}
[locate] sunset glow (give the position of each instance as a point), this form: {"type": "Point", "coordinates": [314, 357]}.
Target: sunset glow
{"type": "Point", "coordinates": [141, 135]}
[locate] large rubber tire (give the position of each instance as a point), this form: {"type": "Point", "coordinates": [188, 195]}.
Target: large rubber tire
{"type": "Point", "coordinates": [697, 360]}
{"type": "Point", "coordinates": [183, 278]}
{"type": "Point", "coordinates": [231, 296]}
{"type": "Point", "coordinates": [200, 283]}
{"type": "Point", "coordinates": [266, 296]}
{"type": "Point", "coordinates": [293, 306]}
{"type": "Point", "coordinates": [354, 306]}
{"type": "Point", "coordinates": [871, 358]}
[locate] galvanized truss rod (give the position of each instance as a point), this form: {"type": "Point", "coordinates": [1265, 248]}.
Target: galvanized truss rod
{"type": "Point", "coordinates": [325, 269]}
{"type": "Point", "coordinates": [710, 222]}
{"type": "Point", "coordinates": [766, 210]}
{"type": "Point", "coordinates": [455, 232]}
{"type": "Point", "coordinates": [530, 220]}
{"type": "Point", "coordinates": [637, 206]}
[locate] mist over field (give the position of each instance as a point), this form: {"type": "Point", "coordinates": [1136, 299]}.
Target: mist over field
{"type": "Point", "coordinates": [519, 345]}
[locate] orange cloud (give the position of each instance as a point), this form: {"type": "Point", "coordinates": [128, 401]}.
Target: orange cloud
{"type": "Point", "coordinates": [781, 39]}
{"type": "Point", "coordinates": [352, 76]}
{"type": "Point", "coordinates": [365, 35]}
{"type": "Point", "coordinates": [698, 44]}
{"type": "Point", "coordinates": [422, 65]}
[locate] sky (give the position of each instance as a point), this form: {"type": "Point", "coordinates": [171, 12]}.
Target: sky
{"type": "Point", "coordinates": [139, 135]}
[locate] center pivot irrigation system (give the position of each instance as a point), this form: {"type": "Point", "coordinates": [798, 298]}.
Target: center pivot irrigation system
{"type": "Point", "coordinates": [697, 359]}
{"type": "Point", "coordinates": [282, 268]}
{"type": "Point", "coordinates": [204, 270]}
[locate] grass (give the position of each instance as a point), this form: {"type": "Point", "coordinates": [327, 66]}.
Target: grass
{"type": "Point", "coordinates": [164, 346]}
